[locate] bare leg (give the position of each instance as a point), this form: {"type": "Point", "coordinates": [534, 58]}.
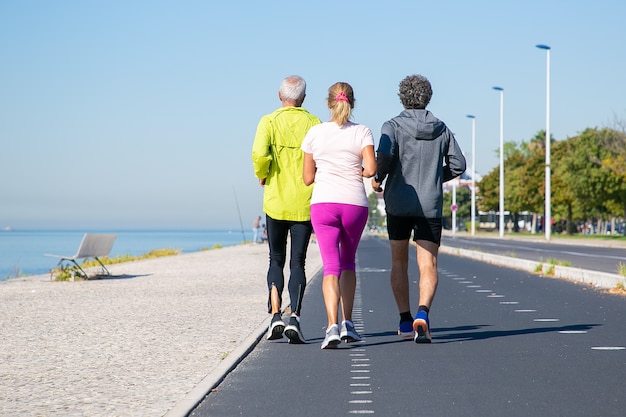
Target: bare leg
{"type": "Point", "coordinates": [275, 300]}
{"type": "Point", "coordinates": [399, 277]}
{"type": "Point", "coordinates": [330, 289]}
{"type": "Point", "coordinates": [427, 264]}
{"type": "Point", "coordinates": [347, 287]}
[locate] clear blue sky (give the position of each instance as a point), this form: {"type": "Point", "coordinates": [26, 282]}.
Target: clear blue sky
{"type": "Point", "coordinates": [141, 114]}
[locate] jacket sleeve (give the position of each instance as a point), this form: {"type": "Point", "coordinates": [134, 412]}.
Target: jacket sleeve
{"type": "Point", "coordinates": [261, 149]}
{"type": "Point", "coordinates": [454, 159]}
{"type": "Point", "coordinates": [387, 151]}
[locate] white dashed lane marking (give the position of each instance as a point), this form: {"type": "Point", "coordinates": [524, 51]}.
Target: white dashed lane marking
{"type": "Point", "coordinates": [492, 294]}
{"type": "Point", "coordinates": [360, 387]}
{"type": "Point", "coordinates": [608, 348]}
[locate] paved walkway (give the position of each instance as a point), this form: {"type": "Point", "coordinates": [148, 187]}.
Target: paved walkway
{"type": "Point", "coordinates": [150, 341]}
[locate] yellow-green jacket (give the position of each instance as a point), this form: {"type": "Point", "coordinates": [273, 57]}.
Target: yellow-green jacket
{"type": "Point", "coordinates": [277, 157]}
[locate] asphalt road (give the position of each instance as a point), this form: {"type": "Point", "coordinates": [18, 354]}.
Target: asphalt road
{"type": "Point", "coordinates": [505, 343]}
{"type": "Point", "coordinates": [603, 256]}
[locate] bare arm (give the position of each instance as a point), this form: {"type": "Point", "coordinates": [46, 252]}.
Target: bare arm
{"type": "Point", "coordinates": [369, 161]}
{"type": "Point", "coordinates": [308, 169]}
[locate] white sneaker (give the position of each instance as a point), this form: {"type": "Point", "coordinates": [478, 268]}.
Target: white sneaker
{"type": "Point", "coordinates": [332, 338]}
{"type": "Point", "coordinates": [348, 334]}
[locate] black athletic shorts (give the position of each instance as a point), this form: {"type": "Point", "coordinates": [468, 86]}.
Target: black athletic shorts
{"type": "Point", "coordinates": [400, 227]}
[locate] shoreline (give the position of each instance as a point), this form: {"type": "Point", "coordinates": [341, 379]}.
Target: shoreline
{"type": "Point", "coordinates": [108, 265]}
{"type": "Point", "coordinates": [22, 253]}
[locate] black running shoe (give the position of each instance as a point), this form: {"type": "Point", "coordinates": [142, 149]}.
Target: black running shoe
{"type": "Point", "coordinates": [276, 328]}
{"type": "Point", "coordinates": [293, 332]}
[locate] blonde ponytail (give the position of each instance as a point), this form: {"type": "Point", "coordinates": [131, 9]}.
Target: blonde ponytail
{"type": "Point", "coordinates": [340, 102]}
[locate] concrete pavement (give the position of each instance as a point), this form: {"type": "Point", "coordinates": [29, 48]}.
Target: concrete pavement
{"type": "Point", "coordinates": [149, 341]}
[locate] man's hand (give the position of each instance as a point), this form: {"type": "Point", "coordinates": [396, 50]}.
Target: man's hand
{"type": "Point", "coordinates": [377, 186]}
{"type": "Point", "coordinates": [262, 182]}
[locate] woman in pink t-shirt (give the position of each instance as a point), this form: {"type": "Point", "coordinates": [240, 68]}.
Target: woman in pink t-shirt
{"type": "Point", "coordinates": [338, 154]}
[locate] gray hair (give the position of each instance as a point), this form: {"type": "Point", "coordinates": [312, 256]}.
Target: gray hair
{"type": "Point", "coordinates": [415, 92]}
{"type": "Point", "coordinates": [293, 88]}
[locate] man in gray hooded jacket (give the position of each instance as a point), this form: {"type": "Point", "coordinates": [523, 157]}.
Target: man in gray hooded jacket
{"type": "Point", "coordinates": [417, 153]}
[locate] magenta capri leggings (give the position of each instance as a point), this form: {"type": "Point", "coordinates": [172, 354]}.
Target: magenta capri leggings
{"type": "Point", "coordinates": [338, 228]}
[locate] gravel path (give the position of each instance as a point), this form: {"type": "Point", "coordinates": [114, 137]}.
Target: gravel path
{"type": "Point", "coordinates": [135, 344]}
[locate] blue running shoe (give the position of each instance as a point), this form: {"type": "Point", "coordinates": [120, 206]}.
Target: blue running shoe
{"type": "Point", "coordinates": [405, 330]}
{"type": "Point", "coordinates": [421, 327]}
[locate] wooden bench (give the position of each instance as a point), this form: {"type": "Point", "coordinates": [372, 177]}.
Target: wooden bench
{"type": "Point", "coordinates": [93, 245]}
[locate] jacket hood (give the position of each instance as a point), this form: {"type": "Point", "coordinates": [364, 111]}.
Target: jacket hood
{"type": "Point", "coordinates": [420, 124]}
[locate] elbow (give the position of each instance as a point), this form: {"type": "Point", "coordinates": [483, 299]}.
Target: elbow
{"type": "Point", "coordinates": [370, 169]}
{"type": "Point", "coordinates": [369, 173]}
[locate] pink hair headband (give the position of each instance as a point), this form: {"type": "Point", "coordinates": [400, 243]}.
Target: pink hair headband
{"type": "Point", "coordinates": [341, 97]}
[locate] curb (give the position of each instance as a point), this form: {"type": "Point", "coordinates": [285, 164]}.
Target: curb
{"type": "Point", "coordinates": [186, 406]}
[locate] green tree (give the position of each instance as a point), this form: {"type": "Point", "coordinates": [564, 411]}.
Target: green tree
{"type": "Point", "coordinates": [592, 187]}
{"type": "Point", "coordinates": [463, 202]}
{"type": "Point", "coordinates": [588, 177]}
{"type": "Point", "coordinates": [487, 197]}
{"type": "Point", "coordinates": [615, 161]}
{"type": "Point", "coordinates": [523, 180]}
{"type": "Point", "coordinates": [563, 199]}
{"type": "Point", "coordinates": [375, 216]}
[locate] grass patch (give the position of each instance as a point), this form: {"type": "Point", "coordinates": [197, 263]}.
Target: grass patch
{"type": "Point", "coordinates": [70, 272]}
{"type": "Point", "coordinates": [621, 269]}
{"type": "Point", "coordinates": [157, 253]}
{"type": "Point", "coordinates": [553, 261]}
{"type": "Point", "coordinates": [17, 272]}
{"type": "Point", "coordinates": [619, 289]}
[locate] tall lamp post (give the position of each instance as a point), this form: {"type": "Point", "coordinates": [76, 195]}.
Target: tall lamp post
{"type": "Point", "coordinates": [547, 222]}
{"type": "Point", "coordinates": [454, 206]}
{"type": "Point", "coordinates": [501, 223]}
{"type": "Point", "coordinates": [473, 210]}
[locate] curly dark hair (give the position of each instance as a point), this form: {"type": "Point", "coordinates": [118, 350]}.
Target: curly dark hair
{"type": "Point", "coordinates": [415, 92]}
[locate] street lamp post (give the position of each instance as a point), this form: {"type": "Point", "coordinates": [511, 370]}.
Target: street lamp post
{"type": "Point", "coordinates": [501, 223]}
{"type": "Point", "coordinates": [473, 210]}
{"type": "Point", "coordinates": [547, 222]}
{"type": "Point", "coordinates": [454, 206]}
